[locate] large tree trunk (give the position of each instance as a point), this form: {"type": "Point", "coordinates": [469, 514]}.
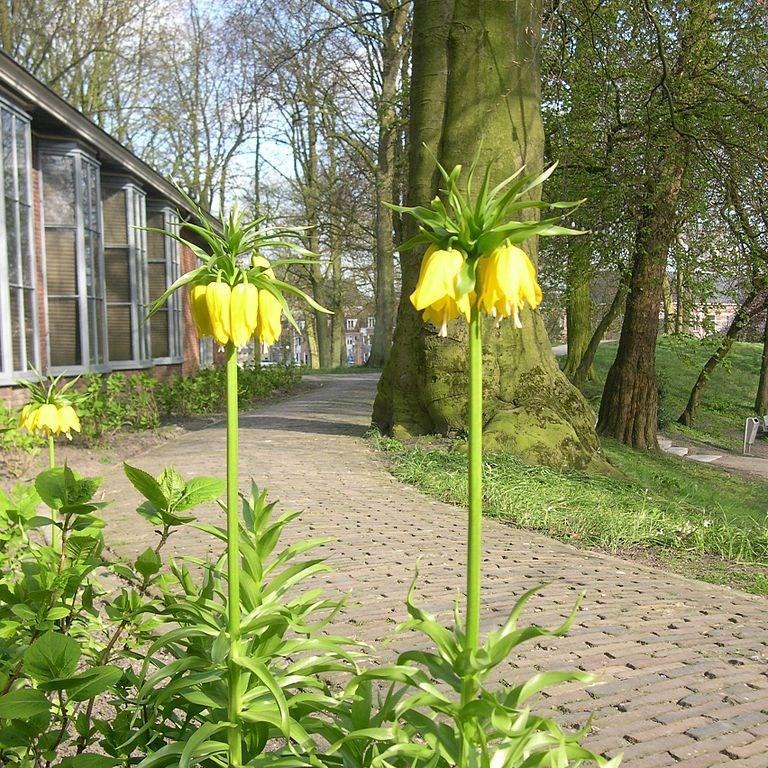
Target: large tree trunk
{"type": "Point", "coordinates": [630, 403]}
{"type": "Point", "coordinates": [582, 373]}
{"type": "Point", "coordinates": [578, 312]}
{"type": "Point", "coordinates": [490, 102]}
{"type": "Point", "coordinates": [743, 314]}
{"type": "Point", "coordinates": [396, 15]}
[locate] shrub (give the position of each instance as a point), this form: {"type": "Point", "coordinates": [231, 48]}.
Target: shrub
{"type": "Point", "coordinates": [117, 401]}
{"type": "Point", "coordinates": [205, 391]}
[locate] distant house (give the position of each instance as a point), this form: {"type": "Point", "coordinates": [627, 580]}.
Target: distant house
{"type": "Point", "coordinates": [358, 335]}
{"type": "Point", "coordinates": [76, 274]}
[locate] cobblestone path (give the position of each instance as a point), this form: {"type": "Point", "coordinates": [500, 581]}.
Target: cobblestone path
{"type": "Point", "coordinates": [684, 680]}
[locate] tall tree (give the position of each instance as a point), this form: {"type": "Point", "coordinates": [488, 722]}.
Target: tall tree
{"type": "Point", "coordinates": [475, 91]}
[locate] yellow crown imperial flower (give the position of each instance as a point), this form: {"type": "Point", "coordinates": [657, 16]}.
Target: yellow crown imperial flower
{"type": "Point", "coordinates": [506, 283]}
{"type": "Point", "coordinates": [68, 420]}
{"type": "Point", "coordinates": [217, 300]}
{"type": "Point", "coordinates": [47, 420]}
{"type": "Point", "coordinates": [243, 313]}
{"type": "Point", "coordinates": [436, 292]}
{"type": "Point", "coordinates": [269, 327]}
{"type": "Point", "coordinates": [200, 310]}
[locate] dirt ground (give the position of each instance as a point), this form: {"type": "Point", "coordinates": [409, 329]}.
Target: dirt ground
{"type": "Point", "coordinates": [91, 460]}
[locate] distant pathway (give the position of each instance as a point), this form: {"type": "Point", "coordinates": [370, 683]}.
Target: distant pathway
{"type": "Point", "coordinates": [683, 663]}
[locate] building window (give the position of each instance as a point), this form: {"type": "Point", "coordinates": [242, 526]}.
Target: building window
{"type": "Point", "coordinates": [164, 268]}
{"type": "Point", "coordinates": [351, 324]}
{"type": "Point", "coordinates": [73, 258]}
{"type": "Point", "coordinates": [19, 347]}
{"type": "Point", "coordinates": [125, 264]}
{"type": "Point", "coordinates": [371, 322]}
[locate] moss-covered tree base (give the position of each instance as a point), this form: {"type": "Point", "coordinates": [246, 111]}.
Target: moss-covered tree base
{"type": "Point", "coordinates": [531, 409]}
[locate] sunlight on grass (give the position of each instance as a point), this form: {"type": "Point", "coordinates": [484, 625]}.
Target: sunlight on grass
{"type": "Point", "coordinates": [728, 397]}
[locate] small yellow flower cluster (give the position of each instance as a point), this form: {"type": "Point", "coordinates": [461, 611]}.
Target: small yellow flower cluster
{"type": "Point", "coordinates": [236, 313]}
{"type": "Point", "coordinates": [505, 283]}
{"type": "Point", "coordinates": [49, 419]}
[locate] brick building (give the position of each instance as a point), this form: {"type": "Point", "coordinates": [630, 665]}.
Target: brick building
{"type": "Point", "coordinates": [77, 275]}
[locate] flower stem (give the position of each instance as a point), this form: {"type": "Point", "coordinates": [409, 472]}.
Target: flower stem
{"type": "Point", "coordinates": [234, 737]}
{"type": "Point", "coordinates": [474, 537]}
{"type": "Point", "coordinates": [51, 465]}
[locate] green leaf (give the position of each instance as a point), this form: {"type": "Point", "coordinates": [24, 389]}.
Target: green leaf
{"type": "Point", "coordinates": [23, 704]}
{"type": "Point", "coordinates": [146, 485]}
{"type": "Point", "coordinates": [200, 742]}
{"type": "Point", "coordinates": [87, 684]}
{"type": "Point", "coordinates": [259, 669]}
{"type": "Point", "coordinates": [52, 656]}
{"type": "Point", "coordinates": [89, 761]}
{"type": "Point", "coordinates": [198, 491]}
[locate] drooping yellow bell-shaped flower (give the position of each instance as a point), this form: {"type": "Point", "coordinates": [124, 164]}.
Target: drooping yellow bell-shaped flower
{"type": "Point", "coordinates": [269, 327]}
{"type": "Point", "coordinates": [200, 310]}
{"type": "Point", "coordinates": [506, 283]}
{"type": "Point", "coordinates": [436, 291]}
{"type": "Point", "coordinates": [47, 419]}
{"type": "Point", "coordinates": [217, 299]}
{"type": "Point", "coordinates": [28, 417]}
{"type": "Point", "coordinates": [68, 420]}
{"type": "Point", "coordinates": [243, 313]}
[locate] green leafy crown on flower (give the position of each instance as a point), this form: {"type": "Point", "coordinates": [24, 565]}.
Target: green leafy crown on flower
{"type": "Point", "coordinates": [229, 251]}
{"type": "Point", "coordinates": [477, 225]}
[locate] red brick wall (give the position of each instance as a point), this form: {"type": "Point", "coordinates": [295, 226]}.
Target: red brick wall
{"type": "Point", "coordinates": [189, 342]}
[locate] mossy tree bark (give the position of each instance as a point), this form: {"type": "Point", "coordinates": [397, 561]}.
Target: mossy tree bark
{"type": "Point", "coordinates": [583, 371]}
{"type": "Point", "coordinates": [475, 90]}
{"type": "Point", "coordinates": [578, 311]}
{"type": "Point", "coordinates": [630, 403]}
{"type": "Point", "coordinates": [395, 17]}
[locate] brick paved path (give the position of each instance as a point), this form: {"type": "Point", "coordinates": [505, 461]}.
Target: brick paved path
{"type": "Point", "coordinates": [683, 663]}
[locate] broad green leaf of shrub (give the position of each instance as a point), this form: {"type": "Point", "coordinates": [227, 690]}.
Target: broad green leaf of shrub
{"type": "Point", "coordinates": [86, 685]}
{"type": "Point", "coordinates": [52, 656]}
{"type": "Point", "coordinates": [146, 485]}
{"type": "Point", "coordinates": [23, 704]}
{"type": "Point", "coordinates": [199, 490]}
{"type": "Point", "coordinates": [89, 761]}
{"type": "Point", "coordinates": [59, 488]}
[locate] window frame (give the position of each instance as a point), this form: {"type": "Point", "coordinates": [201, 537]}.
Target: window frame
{"type": "Point", "coordinates": [9, 375]}
{"type": "Point", "coordinates": [80, 155]}
{"type": "Point", "coordinates": [172, 252]}
{"type": "Point", "coordinates": [136, 245]}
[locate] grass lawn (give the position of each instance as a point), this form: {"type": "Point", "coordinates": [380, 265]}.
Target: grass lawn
{"type": "Point", "coordinates": [728, 397]}
{"type": "Point", "coordinates": [693, 519]}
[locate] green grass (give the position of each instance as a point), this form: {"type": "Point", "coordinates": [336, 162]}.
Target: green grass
{"type": "Point", "coordinates": [728, 397]}
{"type": "Point", "coordinates": [691, 518]}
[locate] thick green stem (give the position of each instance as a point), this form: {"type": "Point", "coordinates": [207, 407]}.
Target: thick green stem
{"type": "Point", "coordinates": [51, 465]}
{"type": "Point", "coordinates": [233, 563]}
{"type": "Point", "coordinates": [474, 532]}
